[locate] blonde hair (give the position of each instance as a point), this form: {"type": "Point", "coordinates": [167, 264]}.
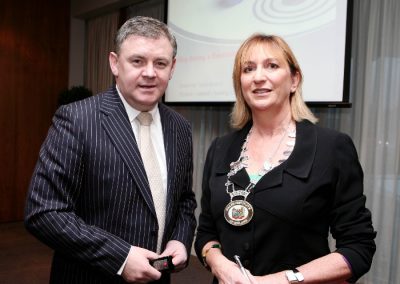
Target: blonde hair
{"type": "Point", "coordinates": [241, 112]}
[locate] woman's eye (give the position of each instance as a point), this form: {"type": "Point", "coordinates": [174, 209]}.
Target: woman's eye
{"type": "Point", "coordinates": [273, 66]}
{"type": "Point", "coordinates": [248, 69]}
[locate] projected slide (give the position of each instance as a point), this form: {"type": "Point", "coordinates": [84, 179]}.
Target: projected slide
{"type": "Point", "coordinates": [209, 33]}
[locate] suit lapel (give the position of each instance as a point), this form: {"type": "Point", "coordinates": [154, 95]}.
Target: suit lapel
{"type": "Point", "coordinates": [118, 128]}
{"type": "Point", "coordinates": [170, 145]}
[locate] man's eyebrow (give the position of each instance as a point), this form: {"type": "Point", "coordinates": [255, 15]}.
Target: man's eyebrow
{"type": "Point", "coordinates": [138, 56]}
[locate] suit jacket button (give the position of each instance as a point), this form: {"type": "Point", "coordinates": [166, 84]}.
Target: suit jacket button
{"type": "Point", "coordinates": [246, 246]}
{"type": "Point", "coordinates": [246, 263]}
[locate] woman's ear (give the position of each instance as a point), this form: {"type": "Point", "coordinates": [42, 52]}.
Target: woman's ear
{"type": "Point", "coordinates": [295, 82]}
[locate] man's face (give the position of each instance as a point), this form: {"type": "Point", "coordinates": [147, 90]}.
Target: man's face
{"type": "Point", "coordinates": [142, 70]}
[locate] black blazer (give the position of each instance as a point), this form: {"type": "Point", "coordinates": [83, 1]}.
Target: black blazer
{"type": "Point", "coordinates": [317, 190]}
{"type": "Point", "coordinates": [89, 197]}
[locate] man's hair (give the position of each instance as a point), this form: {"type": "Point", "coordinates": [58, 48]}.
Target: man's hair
{"type": "Point", "coordinates": [144, 27]}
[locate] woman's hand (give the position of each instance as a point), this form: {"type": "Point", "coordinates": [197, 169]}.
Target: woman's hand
{"type": "Point", "coordinates": [226, 271]}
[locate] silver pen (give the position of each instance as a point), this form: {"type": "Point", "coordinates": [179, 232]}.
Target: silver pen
{"type": "Point", "coordinates": [238, 262]}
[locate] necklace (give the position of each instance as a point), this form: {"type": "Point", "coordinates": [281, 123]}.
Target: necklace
{"type": "Point", "coordinates": [268, 165]}
{"type": "Point", "coordinates": [239, 212]}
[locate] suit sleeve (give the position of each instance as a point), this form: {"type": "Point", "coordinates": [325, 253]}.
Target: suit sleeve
{"type": "Point", "coordinates": [351, 223]}
{"type": "Point", "coordinates": [55, 186]}
{"type": "Point", "coordinates": [206, 230]}
{"type": "Point", "coordinates": [185, 222]}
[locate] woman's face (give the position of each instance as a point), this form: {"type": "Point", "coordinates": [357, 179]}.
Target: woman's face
{"type": "Point", "coordinates": [266, 79]}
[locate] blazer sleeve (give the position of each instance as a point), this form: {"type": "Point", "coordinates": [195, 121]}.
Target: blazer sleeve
{"type": "Point", "coordinates": [55, 186]}
{"type": "Point", "coordinates": [351, 223]}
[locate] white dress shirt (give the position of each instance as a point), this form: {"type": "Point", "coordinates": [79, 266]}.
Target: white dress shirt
{"type": "Point", "coordinates": [157, 138]}
{"type": "Point", "coordinates": [156, 133]}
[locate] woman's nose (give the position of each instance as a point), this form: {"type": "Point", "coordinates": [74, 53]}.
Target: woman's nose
{"type": "Point", "coordinates": [259, 75]}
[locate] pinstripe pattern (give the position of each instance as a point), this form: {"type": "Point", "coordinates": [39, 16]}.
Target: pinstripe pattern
{"type": "Point", "coordinates": [89, 197]}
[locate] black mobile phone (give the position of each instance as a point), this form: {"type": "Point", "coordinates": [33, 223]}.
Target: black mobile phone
{"type": "Point", "coordinates": [163, 264]}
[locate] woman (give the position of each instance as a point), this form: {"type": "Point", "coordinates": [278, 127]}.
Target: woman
{"type": "Point", "coordinates": [273, 189]}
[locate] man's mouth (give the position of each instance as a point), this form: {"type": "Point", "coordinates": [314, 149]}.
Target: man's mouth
{"type": "Point", "coordinates": [147, 86]}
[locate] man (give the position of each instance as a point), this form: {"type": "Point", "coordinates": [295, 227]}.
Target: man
{"type": "Point", "coordinates": [93, 198]}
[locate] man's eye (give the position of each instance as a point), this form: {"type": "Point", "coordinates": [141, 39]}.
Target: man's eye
{"type": "Point", "coordinates": [136, 61]}
{"type": "Point", "coordinates": [161, 64]}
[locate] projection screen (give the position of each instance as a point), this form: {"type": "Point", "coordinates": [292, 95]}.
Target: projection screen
{"type": "Point", "coordinates": [209, 33]}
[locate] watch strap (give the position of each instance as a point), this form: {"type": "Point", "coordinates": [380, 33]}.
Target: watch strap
{"type": "Point", "coordinates": [298, 275]}
{"type": "Point", "coordinates": [204, 256]}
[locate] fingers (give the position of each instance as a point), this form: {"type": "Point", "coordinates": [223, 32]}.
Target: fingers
{"type": "Point", "coordinates": [229, 272]}
{"type": "Point", "coordinates": [138, 269]}
{"type": "Point", "coordinates": [178, 252]}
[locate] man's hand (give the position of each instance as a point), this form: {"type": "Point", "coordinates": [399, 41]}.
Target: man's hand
{"type": "Point", "coordinates": [178, 252]}
{"type": "Point", "coordinates": [138, 268]}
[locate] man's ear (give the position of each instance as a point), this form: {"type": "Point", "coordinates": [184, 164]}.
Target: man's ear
{"type": "Point", "coordinates": [172, 68]}
{"type": "Point", "coordinates": [113, 60]}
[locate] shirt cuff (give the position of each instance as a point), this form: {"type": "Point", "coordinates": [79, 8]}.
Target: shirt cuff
{"type": "Point", "coordinates": [123, 265]}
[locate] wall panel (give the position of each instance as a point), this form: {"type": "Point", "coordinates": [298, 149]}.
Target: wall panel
{"type": "Point", "coordinates": [34, 37]}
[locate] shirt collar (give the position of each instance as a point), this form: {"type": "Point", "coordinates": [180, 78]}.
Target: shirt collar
{"type": "Point", "coordinates": [133, 113]}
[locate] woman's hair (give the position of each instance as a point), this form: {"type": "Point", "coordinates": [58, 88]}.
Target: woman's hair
{"type": "Point", "coordinates": [241, 112]}
{"type": "Point", "coordinates": [145, 27]}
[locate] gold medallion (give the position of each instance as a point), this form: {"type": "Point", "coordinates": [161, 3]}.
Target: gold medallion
{"type": "Point", "coordinates": [238, 212]}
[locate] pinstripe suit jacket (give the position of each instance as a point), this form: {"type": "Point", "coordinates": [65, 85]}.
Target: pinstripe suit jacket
{"type": "Point", "coordinates": [89, 197]}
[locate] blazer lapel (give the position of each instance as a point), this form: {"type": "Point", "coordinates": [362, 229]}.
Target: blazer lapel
{"type": "Point", "coordinates": [232, 154]}
{"type": "Point", "coordinates": [299, 163]}
{"type": "Point", "coordinates": [118, 128]}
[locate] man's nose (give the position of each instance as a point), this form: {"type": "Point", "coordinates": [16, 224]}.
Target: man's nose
{"type": "Point", "coordinates": [149, 70]}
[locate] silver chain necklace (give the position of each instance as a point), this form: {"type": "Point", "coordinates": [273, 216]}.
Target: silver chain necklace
{"type": "Point", "coordinates": [240, 212]}
{"type": "Point", "coordinates": [268, 165]}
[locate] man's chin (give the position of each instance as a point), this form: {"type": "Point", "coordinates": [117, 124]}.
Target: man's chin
{"type": "Point", "coordinates": [148, 104]}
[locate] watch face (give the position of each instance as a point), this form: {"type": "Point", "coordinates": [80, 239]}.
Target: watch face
{"type": "Point", "coordinates": [290, 276]}
{"type": "Point", "coordinates": [299, 276]}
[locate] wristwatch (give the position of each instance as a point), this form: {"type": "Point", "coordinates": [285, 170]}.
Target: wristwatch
{"type": "Point", "coordinates": [294, 276]}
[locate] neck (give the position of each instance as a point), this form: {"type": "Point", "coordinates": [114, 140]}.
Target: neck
{"type": "Point", "coordinates": [264, 126]}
